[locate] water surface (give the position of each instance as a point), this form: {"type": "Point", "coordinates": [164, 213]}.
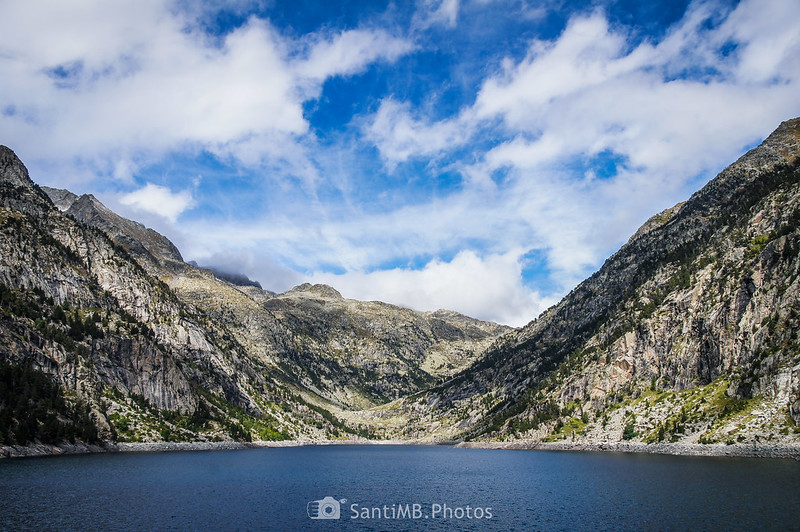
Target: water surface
{"type": "Point", "coordinates": [269, 489]}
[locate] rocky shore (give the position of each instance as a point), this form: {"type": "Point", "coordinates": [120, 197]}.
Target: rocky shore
{"type": "Point", "coordinates": [18, 451]}
{"type": "Point", "coordinates": [683, 449]}
{"type": "Point", "coordinates": [42, 449]}
{"type": "Point", "coordinates": [39, 449]}
{"type": "Point", "coordinates": [742, 450]}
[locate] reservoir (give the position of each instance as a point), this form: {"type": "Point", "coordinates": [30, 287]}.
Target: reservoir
{"type": "Point", "coordinates": [377, 487]}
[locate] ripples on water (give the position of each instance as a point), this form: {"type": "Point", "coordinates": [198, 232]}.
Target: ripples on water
{"type": "Point", "coordinates": [269, 489]}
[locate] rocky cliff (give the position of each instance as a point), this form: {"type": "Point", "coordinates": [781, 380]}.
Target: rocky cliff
{"type": "Point", "coordinates": [159, 349]}
{"type": "Point", "coordinates": [80, 308]}
{"type": "Point", "coordinates": [689, 333]}
{"type": "Point", "coordinates": [150, 248]}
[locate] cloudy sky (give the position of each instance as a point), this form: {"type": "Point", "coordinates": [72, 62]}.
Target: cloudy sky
{"type": "Point", "coordinates": [478, 155]}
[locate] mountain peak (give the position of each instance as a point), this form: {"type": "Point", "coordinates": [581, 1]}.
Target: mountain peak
{"type": "Point", "coordinates": [318, 289]}
{"type": "Point", "coordinates": [86, 205]}
{"type": "Point", "coordinates": [782, 146]}
{"type": "Point", "coordinates": [12, 170]}
{"type": "Point", "coordinates": [61, 197]}
{"type": "Point", "coordinates": [133, 236]}
{"type": "Point", "coordinates": [786, 139]}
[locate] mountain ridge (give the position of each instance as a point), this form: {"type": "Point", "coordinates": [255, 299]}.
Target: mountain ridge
{"type": "Point", "coordinates": [500, 394]}
{"type": "Point", "coordinates": [131, 235]}
{"type": "Point", "coordinates": [157, 349]}
{"type": "Point", "coordinates": [688, 334]}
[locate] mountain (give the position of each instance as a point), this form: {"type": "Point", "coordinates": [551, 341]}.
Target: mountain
{"type": "Point", "coordinates": [150, 248]}
{"type": "Point", "coordinates": [138, 345]}
{"type": "Point", "coordinates": [689, 333]}
{"type": "Point", "coordinates": [349, 353]}
{"type": "Point", "coordinates": [239, 279]}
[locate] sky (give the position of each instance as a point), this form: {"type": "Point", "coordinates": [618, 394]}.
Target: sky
{"type": "Point", "coordinates": [483, 156]}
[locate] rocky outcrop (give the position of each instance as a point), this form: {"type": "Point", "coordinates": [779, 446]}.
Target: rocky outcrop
{"type": "Point", "coordinates": [162, 349]}
{"type": "Point", "coordinates": [147, 245]}
{"type": "Point", "coordinates": [62, 199]}
{"type": "Point", "coordinates": [12, 171]}
{"type": "Point", "coordinates": [688, 333]}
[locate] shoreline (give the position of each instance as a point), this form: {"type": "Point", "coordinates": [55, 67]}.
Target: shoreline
{"type": "Point", "coordinates": [43, 449]}
{"type": "Point", "coordinates": [778, 450]}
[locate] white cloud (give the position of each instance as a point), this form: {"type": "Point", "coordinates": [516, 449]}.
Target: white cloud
{"type": "Point", "coordinates": [114, 87]}
{"type": "Point", "coordinates": [769, 35]}
{"type": "Point", "coordinates": [133, 79]}
{"type": "Point", "coordinates": [589, 91]}
{"type": "Point", "coordinates": [537, 120]}
{"type": "Point", "coordinates": [488, 287]}
{"type": "Point", "coordinates": [668, 111]}
{"type": "Point", "coordinates": [349, 52]}
{"type": "Point", "coordinates": [399, 136]}
{"type": "Point", "coordinates": [159, 200]}
{"type": "Point", "coordinates": [584, 55]}
{"type": "Point", "coordinates": [256, 266]}
{"type": "Point", "coordinates": [432, 12]}
{"type": "Point", "coordinates": [143, 78]}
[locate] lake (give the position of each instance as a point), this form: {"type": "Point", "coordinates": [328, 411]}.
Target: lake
{"type": "Point", "coordinates": [397, 488]}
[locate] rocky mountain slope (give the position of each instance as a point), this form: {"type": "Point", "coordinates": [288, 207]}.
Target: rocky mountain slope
{"type": "Point", "coordinates": [149, 348]}
{"type": "Point", "coordinates": [689, 333]}
{"type": "Point", "coordinates": [350, 353]}
{"type": "Point", "coordinates": [152, 250]}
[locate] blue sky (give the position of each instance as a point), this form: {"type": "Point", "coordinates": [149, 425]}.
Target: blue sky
{"type": "Point", "coordinates": [479, 155]}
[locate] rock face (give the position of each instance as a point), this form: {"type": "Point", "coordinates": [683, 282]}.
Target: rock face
{"type": "Point", "coordinates": [160, 349]}
{"type": "Point", "coordinates": [688, 333]}
{"type": "Point", "coordinates": [350, 353]}
{"type": "Point", "coordinates": [149, 247]}
{"type": "Point", "coordinates": [13, 172]}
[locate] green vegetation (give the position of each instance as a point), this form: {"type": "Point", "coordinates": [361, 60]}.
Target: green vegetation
{"type": "Point", "coordinates": [33, 408]}
{"type": "Point", "coordinates": [680, 280]}
{"type": "Point", "coordinates": [708, 404]}
{"type": "Point", "coordinates": [213, 414]}
{"type": "Point", "coordinates": [65, 325]}
{"type": "Point", "coordinates": [758, 244]}
{"type": "Point", "coordinates": [543, 413]}
{"type": "Point", "coordinates": [573, 428]}
{"type": "Point", "coordinates": [239, 424]}
{"type": "Point", "coordinates": [629, 432]}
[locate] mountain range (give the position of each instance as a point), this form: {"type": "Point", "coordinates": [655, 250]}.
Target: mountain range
{"type": "Point", "coordinates": [687, 334]}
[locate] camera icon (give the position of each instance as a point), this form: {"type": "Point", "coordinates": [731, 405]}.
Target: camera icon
{"type": "Point", "coordinates": [326, 508]}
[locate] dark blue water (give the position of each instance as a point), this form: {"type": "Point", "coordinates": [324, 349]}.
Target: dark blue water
{"type": "Point", "coordinates": [456, 489]}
